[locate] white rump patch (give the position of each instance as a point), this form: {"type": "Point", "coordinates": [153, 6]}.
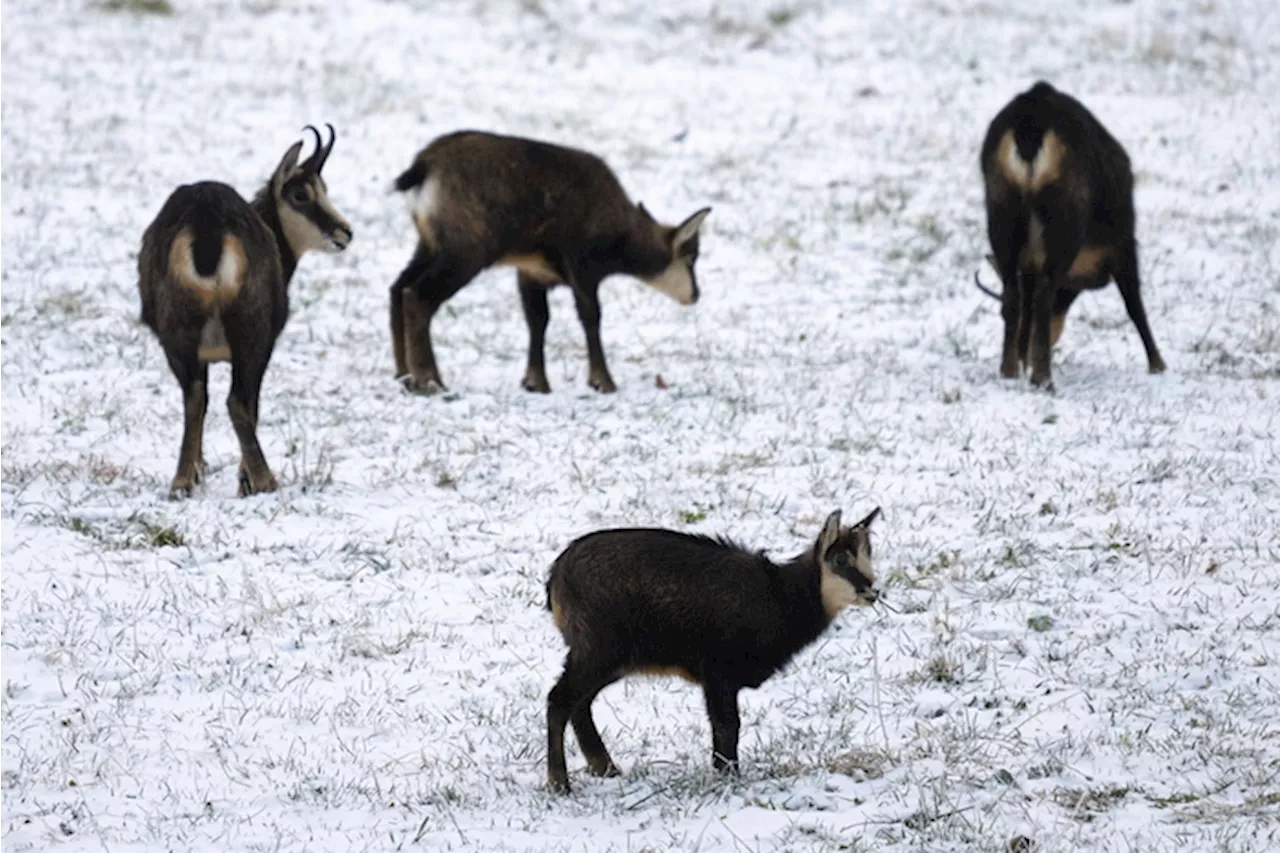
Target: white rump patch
{"type": "Point", "coordinates": [227, 277]}
{"type": "Point", "coordinates": [1043, 168]}
{"type": "Point", "coordinates": [424, 203]}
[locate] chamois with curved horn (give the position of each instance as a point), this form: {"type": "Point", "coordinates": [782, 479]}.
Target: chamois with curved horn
{"type": "Point", "coordinates": [214, 275]}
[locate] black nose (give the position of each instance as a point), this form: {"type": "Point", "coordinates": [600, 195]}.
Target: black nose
{"type": "Point", "coordinates": [871, 596]}
{"type": "Point", "coordinates": [341, 237]}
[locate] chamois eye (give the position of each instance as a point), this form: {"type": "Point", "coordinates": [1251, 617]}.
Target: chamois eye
{"type": "Point", "coordinates": [298, 195]}
{"type": "Point", "coordinates": [842, 560]}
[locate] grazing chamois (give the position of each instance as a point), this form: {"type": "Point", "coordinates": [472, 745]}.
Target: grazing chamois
{"type": "Point", "coordinates": [1059, 193]}
{"type": "Point", "coordinates": [214, 275]}
{"type": "Point", "coordinates": [659, 602]}
{"type": "Point", "coordinates": [556, 214]}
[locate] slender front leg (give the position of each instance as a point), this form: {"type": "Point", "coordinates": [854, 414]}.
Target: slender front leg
{"type": "Point", "coordinates": [533, 297]}
{"type": "Point", "coordinates": [1063, 239]}
{"type": "Point", "coordinates": [1007, 231]}
{"type": "Point", "coordinates": [586, 297]}
{"type": "Point", "coordinates": [1131, 291]}
{"type": "Point", "coordinates": [722, 709]}
{"type": "Point", "coordinates": [1041, 349]}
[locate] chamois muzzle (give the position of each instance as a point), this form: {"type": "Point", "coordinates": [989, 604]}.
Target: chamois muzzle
{"type": "Point", "coordinates": [341, 237]}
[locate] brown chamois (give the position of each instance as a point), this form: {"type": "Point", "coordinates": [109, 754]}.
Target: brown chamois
{"type": "Point", "coordinates": [659, 602]}
{"type": "Point", "coordinates": [556, 214]}
{"type": "Point", "coordinates": [214, 275]}
{"type": "Point", "coordinates": [1060, 218]}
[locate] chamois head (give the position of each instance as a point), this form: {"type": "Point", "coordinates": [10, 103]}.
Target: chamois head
{"type": "Point", "coordinates": [678, 280]}
{"type": "Point", "coordinates": [843, 555]}
{"type": "Point", "coordinates": [307, 217]}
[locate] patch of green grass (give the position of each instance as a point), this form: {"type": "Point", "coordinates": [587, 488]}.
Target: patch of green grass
{"type": "Point", "coordinates": [138, 7]}
{"type": "Point", "coordinates": [692, 516]}
{"type": "Point", "coordinates": [1040, 623]}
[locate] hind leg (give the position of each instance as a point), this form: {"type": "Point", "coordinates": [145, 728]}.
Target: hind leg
{"type": "Point", "coordinates": [193, 377]}
{"type": "Point", "coordinates": [419, 304]}
{"type": "Point", "coordinates": [533, 298]}
{"type": "Point", "coordinates": [1127, 280]}
{"type": "Point", "coordinates": [570, 700]}
{"type": "Point", "coordinates": [247, 369]}
{"type": "Point", "coordinates": [409, 276]}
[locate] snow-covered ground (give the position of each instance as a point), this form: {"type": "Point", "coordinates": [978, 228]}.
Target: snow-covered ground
{"type": "Point", "coordinates": [1085, 645]}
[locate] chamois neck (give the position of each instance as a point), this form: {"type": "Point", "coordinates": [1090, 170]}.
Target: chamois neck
{"type": "Point", "coordinates": [265, 205]}
{"type": "Point", "coordinates": [645, 252]}
{"type": "Point", "coordinates": [802, 590]}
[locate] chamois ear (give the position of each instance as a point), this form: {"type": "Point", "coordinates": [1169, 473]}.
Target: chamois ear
{"type": "Point", "coordinates": [866, 522]}
{"type": "Point", "coordinates": [688, 229]}
{"type": "Point", "coordinates": [829, 535]}
{"type": "Point", "coordinates": [644, 211]}
{"type": "Point", "coordinates": [287, 164]}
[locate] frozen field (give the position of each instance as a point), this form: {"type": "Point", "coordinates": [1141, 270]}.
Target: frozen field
{"type": "Point", "coordinates": [1085, 643]}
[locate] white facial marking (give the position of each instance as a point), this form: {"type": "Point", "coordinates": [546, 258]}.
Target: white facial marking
{"type": "Point", "coordinates": [675, 281]}
{"type": "Point", "coordinates": [302, 233]}
{"type": "Point", "coordinates": [837, 593]}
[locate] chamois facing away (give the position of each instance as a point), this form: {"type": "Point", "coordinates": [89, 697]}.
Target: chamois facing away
{"type": "Point", "coordinates": [214, 275]}
{"type": "Point", "coordinates": [558, 215]}
{"type": "Point", "coordinates": [658, 602]}
{"type": "Point", "coordinates": [1060, 218]}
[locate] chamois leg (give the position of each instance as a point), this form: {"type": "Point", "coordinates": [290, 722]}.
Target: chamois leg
{"type": "Point", "coordinates": [1130, 290]}
{"type": "Point", "coordinates": [1061, 305]}
{"type": "Point", "coordinates": [420, 302]}
{"type": "Point", "coordinates": [1063, 239]}
{"type": "Point", "coordinates": [576, 689]}
{"type": "Point", "coordinates": [415, 270]}
{"type": "Point", "coordinates": [722, 709]}
{"type": "Point", "coordinates": [1007, 230]}
{"type": "Point", "coordinates": [1026, 281]}
{"type": "Point", "coordinates": [587, 298]}
{"type": "Point", "coordinates": [533, 297]}
{"type": "Point", "coordinates": [584, 727]}
{"type": "Point", "coordinates": [193, 377]}
{"type": "Point", "coordinates": [247, 370]}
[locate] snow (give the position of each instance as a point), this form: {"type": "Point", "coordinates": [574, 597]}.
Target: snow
{"type": "Point", "coordinates": [1084, 645]}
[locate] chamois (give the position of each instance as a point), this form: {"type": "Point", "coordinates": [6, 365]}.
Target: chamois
{"type": "Point", "coordinates": [1059, 196]}
{"type": "Point", "coordinates": [556, 214]}
{"type": "Point", "coordinates": [214, 275]}
{"type": "Point", "coordinates": [659, 602]}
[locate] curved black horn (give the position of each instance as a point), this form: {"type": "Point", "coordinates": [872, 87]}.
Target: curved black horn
{"type": "Point", "coordinates": [977, 280]}
{"type": "Point", "coordinates": [333, 137]}
{"type": "Point", "coordinates": [315, 161]}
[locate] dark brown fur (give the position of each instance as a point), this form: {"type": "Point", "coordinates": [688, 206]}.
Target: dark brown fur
{"type": "Point", "coordinates": [556, 214]}
{"type": "Point", "coordinates": [658, 602]}
{"type": "Point", "coordinates": [214, 275]}
{"type": "Point", "coordinates": [1060, 218]}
